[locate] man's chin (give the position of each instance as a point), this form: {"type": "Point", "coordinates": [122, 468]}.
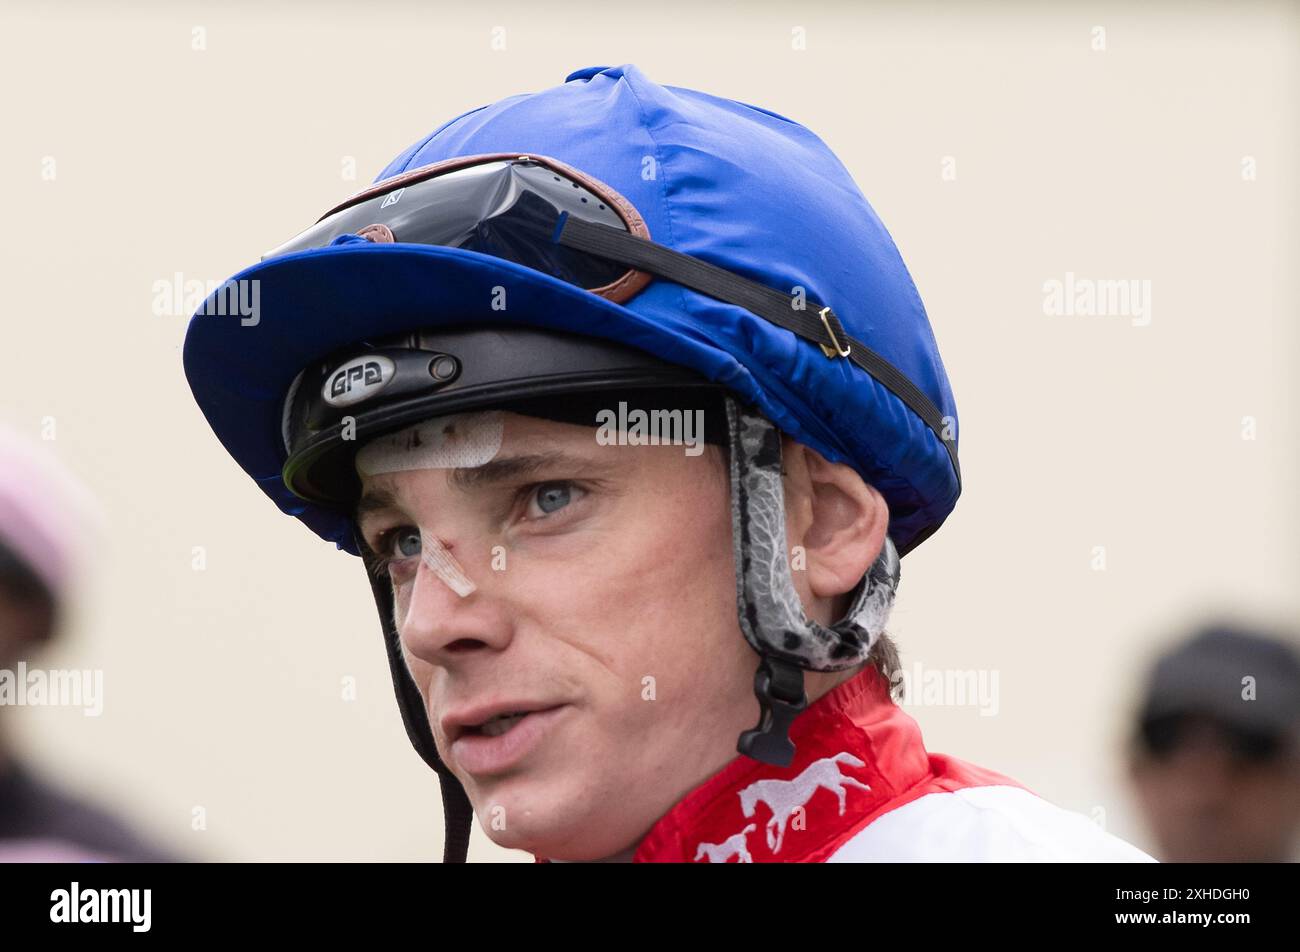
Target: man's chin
{"type": "Point", "coordinates": [560, 843]}
{"type": "Point", "coordinates": [518, 809]}
{"type": "Point", "coordinates": [527, 813]}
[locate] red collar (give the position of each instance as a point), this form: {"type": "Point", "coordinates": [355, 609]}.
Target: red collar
{"type": "Point", "coordinates": [858, 755]}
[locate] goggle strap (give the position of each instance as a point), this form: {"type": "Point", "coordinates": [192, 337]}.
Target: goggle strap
{"type": "Point", "coordinates": [768, 303]}
{"type": "Point", "coordinates": [603, 241]}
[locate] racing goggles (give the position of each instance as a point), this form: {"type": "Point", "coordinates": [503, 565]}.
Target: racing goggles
{"type": "Point", "coordinates": [540, 213]}
{"type": "Point", "coordinates": [536, 211]}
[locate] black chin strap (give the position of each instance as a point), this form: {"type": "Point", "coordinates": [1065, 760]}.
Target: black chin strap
{"type": "Point", "coordinates": [778, 685]}
{"type": "Point", "coordinates": [458, 815]}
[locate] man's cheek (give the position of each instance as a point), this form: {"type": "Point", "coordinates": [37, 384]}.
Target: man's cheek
{"type": "Point", "coordinates": [422, 674]}
{"type": "Point", "coordinates": [401, 606]}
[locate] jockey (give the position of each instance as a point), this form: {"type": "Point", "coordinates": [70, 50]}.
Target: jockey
{"type": "Point", "coordinates": [629, 405]}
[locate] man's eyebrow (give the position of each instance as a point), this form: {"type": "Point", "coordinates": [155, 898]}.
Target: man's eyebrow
{"type": "Point", "coordinates": [373, 500]}
{"type": "Point", "coordinates": [467, 478]}
{"type": "Point", "coordinates": [512, 467]}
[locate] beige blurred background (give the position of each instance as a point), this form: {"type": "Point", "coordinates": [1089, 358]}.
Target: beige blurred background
{"type": "Point", "coordinates": [1169, 156]}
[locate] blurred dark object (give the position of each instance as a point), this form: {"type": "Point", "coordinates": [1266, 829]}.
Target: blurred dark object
{"type": "Point", "coordinates": [31, 809]}
{"type": "Point", "coordinates": [1207, 675]}
{"type": "Point", "coordinates": [46, 518]}
{"type": "Point", "coordinates": [1215, 757]}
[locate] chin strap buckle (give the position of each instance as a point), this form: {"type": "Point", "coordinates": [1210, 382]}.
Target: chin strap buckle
{"type": "Point", "coordinates": [778, 685]}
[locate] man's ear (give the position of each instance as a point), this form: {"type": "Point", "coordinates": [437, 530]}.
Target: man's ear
{"type": "Point", "coordinates": [838, 519]}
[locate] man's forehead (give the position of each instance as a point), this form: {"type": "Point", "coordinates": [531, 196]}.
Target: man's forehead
{"type": "Point", "coordinates": [453, 441]}
{"type": "Point", "coordinates": [469, 440]}
{"type": "Point", "coordinates": [473, 450]}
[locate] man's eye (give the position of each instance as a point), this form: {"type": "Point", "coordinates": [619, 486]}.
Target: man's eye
{"type": "Point", "coordinates": [550, 497]}
{"type": "Point", "coordinates": [406, 542]}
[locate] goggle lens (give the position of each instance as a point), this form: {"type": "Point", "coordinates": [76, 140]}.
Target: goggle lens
{"type": "Point", "coordinates": [508, 209]}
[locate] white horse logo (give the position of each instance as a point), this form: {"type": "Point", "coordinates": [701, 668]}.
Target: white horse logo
{"type": "Point", "coordinates": [731, 846]}
{"type": "Point", "coordinates": [783, 797]}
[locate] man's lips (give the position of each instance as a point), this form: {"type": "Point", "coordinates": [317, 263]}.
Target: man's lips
{"type": "Point", "coordinates": [483, 755]}
{"type": "Point", "coordinates": [460, 721]}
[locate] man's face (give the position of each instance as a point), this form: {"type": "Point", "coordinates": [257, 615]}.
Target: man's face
{"type": "Point", "coordinates": [604, 589]}
{"type": "Point", "coordinates": [1207, 806]}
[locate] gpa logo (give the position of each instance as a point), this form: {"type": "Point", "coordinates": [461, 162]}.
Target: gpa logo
{"type": "Point", "coordinates": [357, 380]}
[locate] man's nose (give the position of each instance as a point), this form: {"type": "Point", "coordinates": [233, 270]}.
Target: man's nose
{"type": "Point", "coordinates": [441, 624]}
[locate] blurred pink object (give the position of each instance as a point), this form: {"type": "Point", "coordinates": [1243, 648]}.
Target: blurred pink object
{"type": "Point", "coordinates": [46, 514]}
{"type": "Point", "coordinates": [48, 851]}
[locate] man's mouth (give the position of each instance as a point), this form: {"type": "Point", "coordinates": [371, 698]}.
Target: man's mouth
{"type": "Point", "coordinates": [492, 719]}
{"type": "Point", "coordinates": [486, 742]}
{"type": "Point", "coordinates": [499, 724]}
